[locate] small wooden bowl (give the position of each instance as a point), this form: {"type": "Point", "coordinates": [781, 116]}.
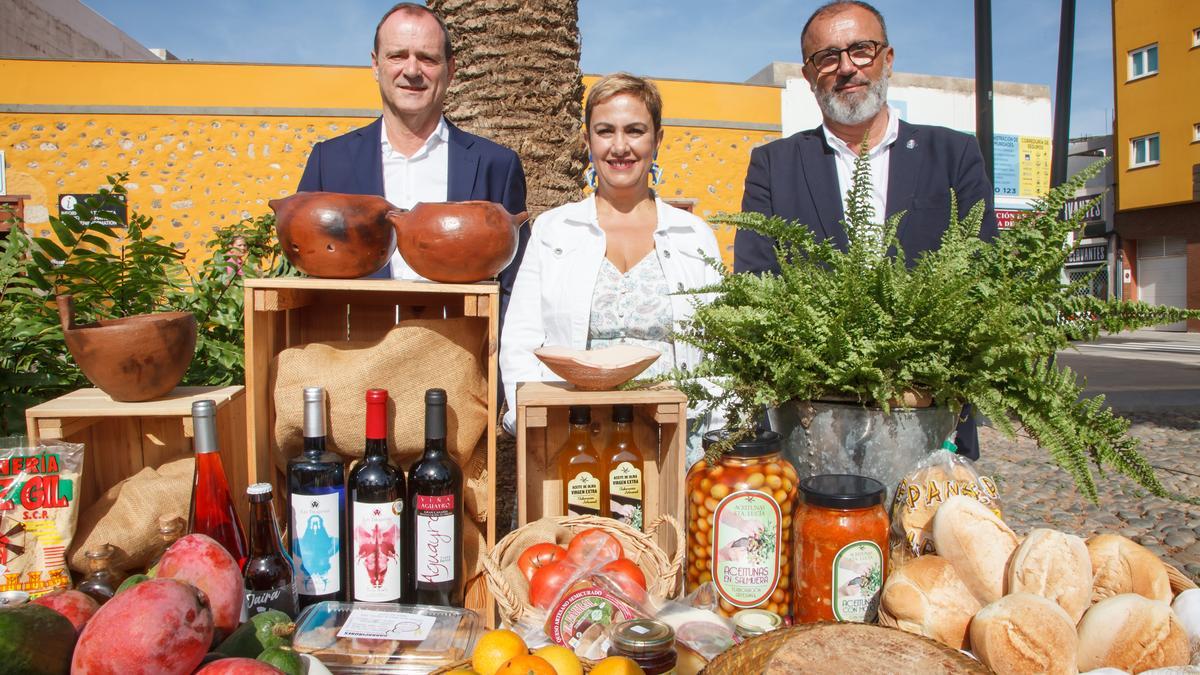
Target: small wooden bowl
{"type": "Point", "coordinates": [597, 369]}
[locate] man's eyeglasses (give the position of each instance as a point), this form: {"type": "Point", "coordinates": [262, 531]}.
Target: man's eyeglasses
{"type": "Point", "coordinates": [860, 53]}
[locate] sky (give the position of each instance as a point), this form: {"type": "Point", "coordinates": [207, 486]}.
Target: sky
{"type": "Point", "coordinates": [715, 40]}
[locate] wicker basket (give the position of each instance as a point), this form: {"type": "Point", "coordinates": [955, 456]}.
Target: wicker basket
{"type": "Point", "coordinates": [1179, 581]}
{"type": "Point", "coordinates": [663, 573]}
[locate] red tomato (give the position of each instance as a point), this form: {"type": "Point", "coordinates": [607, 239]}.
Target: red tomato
{"type": "Point", "coordinates": [594, 546]}
{"type": "Point", "coordinates": [548, 582]}
{"type": "Point", "coordinates": [627, 576]}
{"type": "Point", "coordinates": [539, 555]}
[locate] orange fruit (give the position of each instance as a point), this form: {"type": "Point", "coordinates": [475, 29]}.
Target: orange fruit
{"type": "Point", "coordinates": [562, 659]}
{"type": "Point", "coordinates": [526, 664]}
{"type": "Point", "coordinates": [495, 649]}
{"type": "Point", "coordinates": [617, 665]}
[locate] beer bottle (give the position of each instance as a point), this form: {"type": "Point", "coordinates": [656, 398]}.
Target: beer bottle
{"type": "Point", "coordinates": [268, 579]}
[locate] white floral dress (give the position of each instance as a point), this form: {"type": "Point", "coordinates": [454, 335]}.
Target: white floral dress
{"type": "Point", "coordinates": [633, 308]}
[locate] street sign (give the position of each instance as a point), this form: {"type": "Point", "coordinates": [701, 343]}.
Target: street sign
{"type": "Point", "coordinates": [69, 203]}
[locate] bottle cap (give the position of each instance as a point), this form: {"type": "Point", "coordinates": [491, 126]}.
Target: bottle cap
{"type": "Point", "coordinates": [643, 635]}
{"type": "Point", "coordinates": [259, 489]}
{"type": "Point", "coordinates": [622, 413]}
{"type": "Point", "coordinates": [204, 408]}
{"type": "Point", "coordinates": [377, 396]}
{"type": "Point", "coordinates": [314, 394]}
{"type": "Point", "coordinates": [435, 414]}
{"type": "Point", "coordinates": [435, 397]}
{"type": "Point", "coordinates": [580, 414]}
{"type": "Point", "coordinates": [204, 426]}
{"type": "Point", "coordinates": [841, 491]}
{"type": "Point", "coordinates": [314, 412]}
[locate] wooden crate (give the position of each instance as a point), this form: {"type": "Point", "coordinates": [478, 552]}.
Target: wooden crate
{"type": "Point", "coordinates": [290, 312]}
{"type": "Point", "coordinates": [120, 438]}
{"type": "Point", "coordinates": [659, 429]}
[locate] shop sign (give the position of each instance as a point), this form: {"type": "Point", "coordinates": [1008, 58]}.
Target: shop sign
{"type": "Point", "coordinates": [118, 217]}
{"type": "Point", "coordinates": [1006, 218]}
{"type": "Point", "coordinates": [1093, 208]}
{"type": "Point", "coordinates": [1089, 255]}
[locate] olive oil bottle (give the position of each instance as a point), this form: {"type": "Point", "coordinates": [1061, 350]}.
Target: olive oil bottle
{"type": "Point", "coordinates": [624, 469]}
{"type": "Point", "coordinates": [584, 479]}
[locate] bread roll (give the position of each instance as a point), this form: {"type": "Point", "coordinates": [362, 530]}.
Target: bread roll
{"type": "Point", "coordinates": [926, 597]}
{"type": "Point", "coordinates": [1055, 566]}
{"type": "Point", "coordinates": [1024, 633]}
{"type": "Point", "coordinates": [1133, 633]}
{"type": "Point", "coordinates": [1122, 566]}
{"type": "Point", "coordinates": [976, 542]}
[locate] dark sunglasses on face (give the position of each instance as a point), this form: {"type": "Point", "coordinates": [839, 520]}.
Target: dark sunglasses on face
{"type": "Point", "coordinates": [861, 54]}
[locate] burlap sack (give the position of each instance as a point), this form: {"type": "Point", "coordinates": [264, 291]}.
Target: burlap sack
{"type": "Point", "coordinates": [127, 515]}
{"type": "Point", "coordinates": [414, 356]}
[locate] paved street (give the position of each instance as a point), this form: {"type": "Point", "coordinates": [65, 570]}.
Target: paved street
{"type": "Point", "coordinates": [1154, 380]}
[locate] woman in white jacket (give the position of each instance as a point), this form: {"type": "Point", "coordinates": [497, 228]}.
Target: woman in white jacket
{"type": "Point", "coordinates": [601, 271]}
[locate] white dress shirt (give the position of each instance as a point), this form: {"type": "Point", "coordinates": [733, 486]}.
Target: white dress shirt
{"type": "Point", "coordinates": [422, 177]}
{"type": "Point", "coordinates": [551, 301]}
{"type": "Point", "coordinates": [845, 156]}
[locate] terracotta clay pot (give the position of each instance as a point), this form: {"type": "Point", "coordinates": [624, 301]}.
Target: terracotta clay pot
{"type": "Point", "coordinates": [333, 235]}
{"type": "Point", "coordinates": [457, 242]}
{"type": "Point", "coordinates": [136, 358]}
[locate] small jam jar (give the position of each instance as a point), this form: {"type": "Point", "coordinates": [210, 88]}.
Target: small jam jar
{"type": "Point", "coordinates": [750, 623]}
{"type": "Point", "coordinates": [648, 642]}
{"type": "Point", "coordinates": [841, 554]}
{"type": "Point", "coordinates": [740, 525]}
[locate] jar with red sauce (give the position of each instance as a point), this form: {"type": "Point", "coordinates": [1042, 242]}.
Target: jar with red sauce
{"type": "Point", "coordinates": [840, 558]}
{"type": "Point", "coordinates": [740, 525]}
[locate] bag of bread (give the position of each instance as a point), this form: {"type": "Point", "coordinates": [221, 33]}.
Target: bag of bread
{"type": "Point", "coordinates": [39, 486]}
{"type": "Point", "coordinates": [936, 478]}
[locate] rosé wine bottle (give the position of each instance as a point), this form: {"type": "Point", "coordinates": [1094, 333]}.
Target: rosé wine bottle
{"type": "Point", "coordinates": [212, 512]}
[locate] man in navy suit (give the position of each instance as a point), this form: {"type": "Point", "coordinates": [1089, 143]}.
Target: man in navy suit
{"type": "Point", "coordinates": [805, 177]}
{"type": "Point", "coordinates": [412, 153]}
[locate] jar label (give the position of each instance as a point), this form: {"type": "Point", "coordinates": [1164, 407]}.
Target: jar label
{"type": "Point", "coordinates": [376, 553]}
{"type": "Point", "coordinates": [583, 495]}
{"type": "Point", "coordinates": [857, 581]}
{"type": "Point", "coordinates": [435, 538]}
{"type": "Point", "coordinates": [746, 532]}
{"type": "Point", "coordinates": [316, 542]}
{"type": "Point", "coordinates": [625, 494]}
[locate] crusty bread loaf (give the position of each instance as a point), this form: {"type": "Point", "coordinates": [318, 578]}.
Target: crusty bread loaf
{"type": "Point", "coordinates": [1024, 633]}
{"type": "Point", "coordinates": [1120, 565]}
{"type": "Point", "coordinates": [977, 543]}
{"type": "Point", "coordinates": [926, 597]}
{"type": "Point", "coordinates": [1133, 633]}
{"type": "Point", "coordinates": [1057, 567]}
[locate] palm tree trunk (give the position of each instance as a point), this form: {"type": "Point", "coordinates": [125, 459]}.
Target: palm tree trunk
{"type": "Point", "coordinates": [518, 83]}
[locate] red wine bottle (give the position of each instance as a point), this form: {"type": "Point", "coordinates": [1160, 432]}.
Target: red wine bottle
{"type": "Point", "coordinates": [377, 557]}
{"type": "Point", "coordinates": [436, 514]}
{"type": "Point", "coordinates": [316, 504]}
{"type": "Point", "coordinates": [212, 512]}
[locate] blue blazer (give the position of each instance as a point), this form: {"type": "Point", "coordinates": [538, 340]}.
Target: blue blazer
{"type": "Point", "coordinates": [796, 178]}
{"type": "Point", "coordinates": [479, 169]}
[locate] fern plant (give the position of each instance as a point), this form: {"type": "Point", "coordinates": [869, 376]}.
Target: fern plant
{"type": "Point", "coordinates": [972, 321]}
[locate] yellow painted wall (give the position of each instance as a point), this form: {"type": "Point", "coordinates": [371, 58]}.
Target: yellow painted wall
{"type": "Point", "coordinates": [208, 144]}
{"type": "Point", "coordinates": [1167, 103]}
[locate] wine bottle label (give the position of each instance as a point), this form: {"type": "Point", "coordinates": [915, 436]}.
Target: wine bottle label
{"type": "Point", "coordinates": [316, 543]}
{"type": "Point", "coordinates": [625, 494]}
{"type": "Point", "coordinates": [745, 547]}
{"type": "Point", "coordinates": [378, 571]}
{"type": "Point", "coordinates": [435, 538]}
{"type": "Point", "coordinates": [583, 495]}
{"type": "Point", "coordinates": [283, 599]}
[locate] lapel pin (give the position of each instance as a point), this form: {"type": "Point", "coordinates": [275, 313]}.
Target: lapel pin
{"type": "Point", "coordinates": [911, 144]}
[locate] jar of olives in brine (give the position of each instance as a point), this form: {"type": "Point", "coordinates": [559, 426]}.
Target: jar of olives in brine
{"type": "Point", "coordinates": [740, 525]}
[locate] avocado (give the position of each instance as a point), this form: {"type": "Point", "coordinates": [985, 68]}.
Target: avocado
{"type": "Point", "coordinates": [284, 659]}
{"type": "Point", "coordinates": [263, 631]}
{"type": "Point", "coordinates": [132, 581]}
{"type": "Point", "coordinates": [35, 640]}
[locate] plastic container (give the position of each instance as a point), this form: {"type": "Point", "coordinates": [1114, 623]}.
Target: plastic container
{"type": "Point", "coordinates": [368, 637]}
{"type": "Point", "coordinates": [841, 553]}
{"type": "Point", "coordinates": [740, 525]}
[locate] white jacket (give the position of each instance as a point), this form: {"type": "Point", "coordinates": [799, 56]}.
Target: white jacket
{"type": "Point", "coordinates": [551, 301]}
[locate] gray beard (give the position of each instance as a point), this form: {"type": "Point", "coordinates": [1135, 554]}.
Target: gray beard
{"type": "Point", "coordinates": [849, 112]}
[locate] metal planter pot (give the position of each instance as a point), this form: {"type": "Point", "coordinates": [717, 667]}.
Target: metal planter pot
{"type": "Point", "coordinates": [822, 438]}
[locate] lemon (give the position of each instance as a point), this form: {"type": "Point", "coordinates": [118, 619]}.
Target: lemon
{"type": "Point", "coordinates": [564, 660]}
{"type": "Point", "coordinates": [494, 649]}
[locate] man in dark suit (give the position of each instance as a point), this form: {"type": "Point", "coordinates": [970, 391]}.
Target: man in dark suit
{"type": "Point", "coordinates": [805, 177]}
{"type": "Point", "coordinates": [412, 153]}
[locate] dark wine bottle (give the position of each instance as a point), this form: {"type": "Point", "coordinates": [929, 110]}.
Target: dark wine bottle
{"type": "Point", "coordinates": [316, 502]}
{"type": "Point", "coordinates": [268, 578]}
{"type": "Point", "coordinates": [436, 514]}
{"type": "Point", "coordinates": [377, 556]}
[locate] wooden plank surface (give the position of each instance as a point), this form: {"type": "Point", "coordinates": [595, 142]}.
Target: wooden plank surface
{"type": "Point", "coordinates": [375, 285]}
{"type": "Point", "coordinates": [95, 403]}
{"type": "Point", "coordinates": [561, 393]}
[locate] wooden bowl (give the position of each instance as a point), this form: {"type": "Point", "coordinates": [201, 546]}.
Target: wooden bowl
{"type": "Point", "coordinates": [333, 235]}
{"type": "Point", "coordinates": [137, 358]}
{"type": "Point", "coordinates": [597, 369]}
